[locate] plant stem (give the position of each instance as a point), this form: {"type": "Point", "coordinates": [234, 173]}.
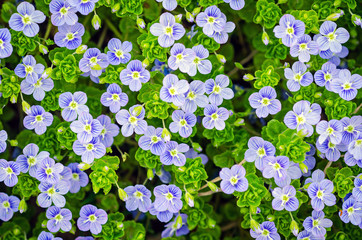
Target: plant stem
{"type": "Point", "coordinates": [245, 60]}
{"type": "Point", "coordinates": [327, 166]}
{"type": "Point", "coordinates": [357, 109]}
{"type": "Point", "coordinates": [102, 37]}
{"type": "Point", "coordinates": [113, 28]}
{"type": "Point", "coordinates": [49, 28]}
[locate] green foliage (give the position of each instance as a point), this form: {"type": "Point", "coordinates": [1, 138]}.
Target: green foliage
{"type": "Point", "coordinates": [114, 228]}
{"type": "Point", "coordinates": [267, 77]}
{"type": "Point", "coordinates": [220, 137]}
{"type": "Point", "coordinates": [104, 175]}
{"type": "Point", "coordinates": [343, 182]}
{"type": "Point", "coordinates": [26, 187]}
{"type": "Point", "coordinates": [255, 193]}
{"type": "Point", "coordinates": [291, 144]}
{"type": "Point", "coordinates": [191, 174]}
{"type": "Point", "coordinates": [267, 13]}
{"type": "Point", "coordinates": [10, 86]}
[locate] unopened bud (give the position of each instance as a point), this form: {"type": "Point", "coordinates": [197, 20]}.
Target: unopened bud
{"type": "Point", "coordinates": [137, 110]}
{"type": "Point", "coordinates": [26, 107]}
{"type": "Point", "coordinates": [83, 166]}
{"type": "Point", "coordinates": [96, 22]}
{"type": "Point", "coordinates": [357, 20]}
{"type": "Point", "coordinates": [303, 167]}
{"type": "Point", "coordinates": [122, 194]}
{"type": "Point", "coordinates": [221, 58]}
{"type": "Point", "coordinates": [178, 18]}
{"type": "Point", "coordinates": [166, 135]}
{"type": "Point", "coordinates": [189, 199]}
{"type": "Point", "coordinates": [150, 174]}
{"type": "Point", "coordinates": [43, 49]}
{"type": "Point", "coordinates": [179, 221]}
{"type": "Point", "coordinates": [23, 206]}
{"type": "Point", "coordinates": [196, 147]}
{"type": "Point", "coordinates": [254, 224]}
{"type": "Point", "coordinates": [14, 143]}
{"type": "Point", "coordinates": [294, 228]}
{"type": "Point", "coordinates": [13, 98]}
{"type": "Point", "coordinates": [141, 23]}
{"type": "Point", "coordinates": [189, 17]}
{"type": "Point", "coordinates": [335, 16]}
{"type": "Point", "coordinates": [145, 63]}
{"type": "Point", "coordinates": [116, 7]}
{"type": "Point", "coordinates": [211, 222]}
{"type": "Point", "coordinates": [196, 11]}
{"type": "Point", "coordinates": [248, 77]}
{"type": "Point", "coordinates": [212, 186]}
{"type": "Point", "coordinates": [265, 38]}
{"type": "Point", "coordinates": [81, 49]}
{"type": "Point", "coordinates": [239, 122]}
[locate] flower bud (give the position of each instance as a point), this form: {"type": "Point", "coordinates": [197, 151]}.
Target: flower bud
{"type": "Point", "coordinates": [83, 166]}
{"type": "Point", "coordinates": [189, 199]}
{"type": "Point", "coordinates": [43, 49]}
{"type": "Point", "coordinates": [23, 206]}
{"type": "Point", "coordinates": [179, 221]}
{"type": "Point", "coordinates": [221, 58]}
{"type": "Point", "coordinates": [196, 11]}
{"type": "Point", "coordinates": [270, 218]}
{"type": "Point", "coordinates": [122, 194]}
{"type": "Point", "coordinates": [178, 18]}
{"type": "Point", "coordinates": [253, 209]}
{"type": "Point", "coordinates": [14, 143]}
{"type": "Point", "coordinates": [116, 7]}
{"type": "Point", "coordinates": [212, 186]}
{"type": "Point", "coordinates": [47, 72]}
{"type": "Point", "coordinates": [335, 16]}
{"type": "Point", "coordinates": [13, 98]}
{"type": "Point", "coordinates": [248, 77]}
{"type": "Point", "coordinates": [254, 224]}
{"type": "Point", "coordinates": [196, 147]}
{"type": "Point", "coordinates": [294, 228]}
{"type": "Point", "coordinates": [150, 174]}
{"type": "Point", "coordinates": [96, 67]}
{"type": "Point", "coordinates": [303, 167]}
{"type": "Point", "coordinates": [26, 107]}
{"type": "Point", "coordinates": [239, 122]}
{"type": "Point", "coordinates": [265, 38]}
{"type": "Point", "coordinates": [124, 157]}
{"type": "Point", "coordinates": [96, 22]}
{"type": "Point", "coordinates": [357, 20]}
{"type": "Point", "coordinates": [211, 222]}
{"type": "Point", "coordinates": [189, 17]}
{"type": "Point", "coordinates": [145, 63]}
{"type": "Point", "coordinates": [166, 135]}
{"type": "Point", "coordinates": [81, 49]}
{"type": "Point", "coordinates": [141, 23]}
{"type": "Point", "coordinates": [137, 110]}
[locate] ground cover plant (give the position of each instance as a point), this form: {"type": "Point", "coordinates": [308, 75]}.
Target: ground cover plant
{"type": "Point", "coordinates": [180, 119]}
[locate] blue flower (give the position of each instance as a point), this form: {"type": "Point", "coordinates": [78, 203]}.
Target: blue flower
{"type": "Point", "coordinates": [215, 117]}
{"type": "Point", "coordinates": [8, 205]}
{"type": "Point", "coordinates": [6, 48]}
{"type": "Point", "coordinates": [351, 127]}
{"type": "Point", "coordinates": [200, 62]}
{"type": "Point", "coordinates": [193, 154]}
{"type": "Point", "coordinates": [30, 158]}
{"type": "Point", "coordinates": [331, 130]}
{"type": "Point", "coordinates": [3, 138]}
{"type": "Point", "coordinates": [169, 5]}
{"type": "Point", "coordinates": [167, 31]}
{"type": "Point", "coordinates": [174, 154]}
{"type": "Point", "coordinates": [355, 147]}
{"type": "Point", "coordinates": [91, 219]}
{"type": "Point", "coordinates": [132, 120]}
{"type": "Point", "coordinates": [321, 194]}
{"type": "Point", "coordinates": [69, 36]}
{"type": "Point", "coordinates": [109, 131]}
{"type": "Point", "coordinates": [351, 211]}
{"type": "Point", "coordinates": [78, 179]}
{"type": "Point", "coordinates": [317, 224]}
{"type": "Point", "coordinates": [83, 6]}
{"type": "Point", "coordinates": [38, 119]}
{"type": "Point", "coordinates": [303, 48]}
{"type": "Point", "coordinates": [357, 190]}
{"type": "Point", "coordinates": [331, 151]}
{"type": "Point", "coordinates": [347, 85]}
{"type": "Point", "coordinates": [168, 197]}
{"type": "Point", "coordinates": [195, 97]}
{"type": "Point", "coordinates": [297, 76]}
{"type": "Point", "coordinates": [93, 61]}
{"type": "Point", "coordinates": [317, 176]}
{"type": "Point", "coordinates": [48, 171]}
{"type": "Point", "coordinates": [59, 218]}
{"type": "Point", "coordinates": [222, 36]}
{"type": "Point", "coordinates": [38, 89]}
{"type": "Point", "coordinates": [139, 197]}
{"type": "Point", "coordinates": [351, 161]}
{"type": "Point", "coordinates": [29, 69]}
{"type": "Point", "coordinates": [8, 172]}
{"type": "Point", "coordinates": [181, 58]}
{"type": "Point", "coordinates": [236, 4]}
{"type": "Point", "coordinates": [332, 38]}
{"type": "Point", "coordinates": [309, 161]}
{"type": "Point", "coordinates": [52, 193]}
{"type": "Point", "coordinates": [303, 117]}
{"type": "Point", "coordinates": [266, 230]}
{"type": "Point", "coordinates": [211, 20]}
{"type": "Point", "coordinates": [326, 75]}
{"type": "Point", "coordinates": [47, 236]}
{"type": "Point", "coordinates": [163, 216]}
{"type": "Point", "coordinates": [62, 13]}
{"type": "Point", "coordinates": [265, 102]}
{"type": "Point", "coordinates": [118, 51]}
{"type": "Point", "coordinates": [284, 198]}
{"type": "Point", "coordinates": [218, 89]}
{"type": "Point", "coordinates": [134, 75]}
{"type": "Point", "coordinates": [26, 19]}
{"type": "Point", "coordinates": [308, 235]}
{"type": "Point", "coordinates": [153, 141]}
{"type": "Point", "coordinates": [258, 150]}
{"type": "Point", "coordinates": [289, 30]}
{"type": "Point", "coordinates": [175, 228]}
{"type": "Point", "coordinates": [276, 167]}
{"type": "Point", "coordinates": [114, 98]}
{"type": "Point", "coordinates": [72, 105]}
{"type": "Point", "coordinates": [174, 90]}
{"type": "Point", "coordinates": [182, 123]}
{"type": "Point", "coordinates": [89, 150]}
{"type": "Point", "coordinates": [233, 179]}
{"type": "Point", "coordinates": [86, 127]}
